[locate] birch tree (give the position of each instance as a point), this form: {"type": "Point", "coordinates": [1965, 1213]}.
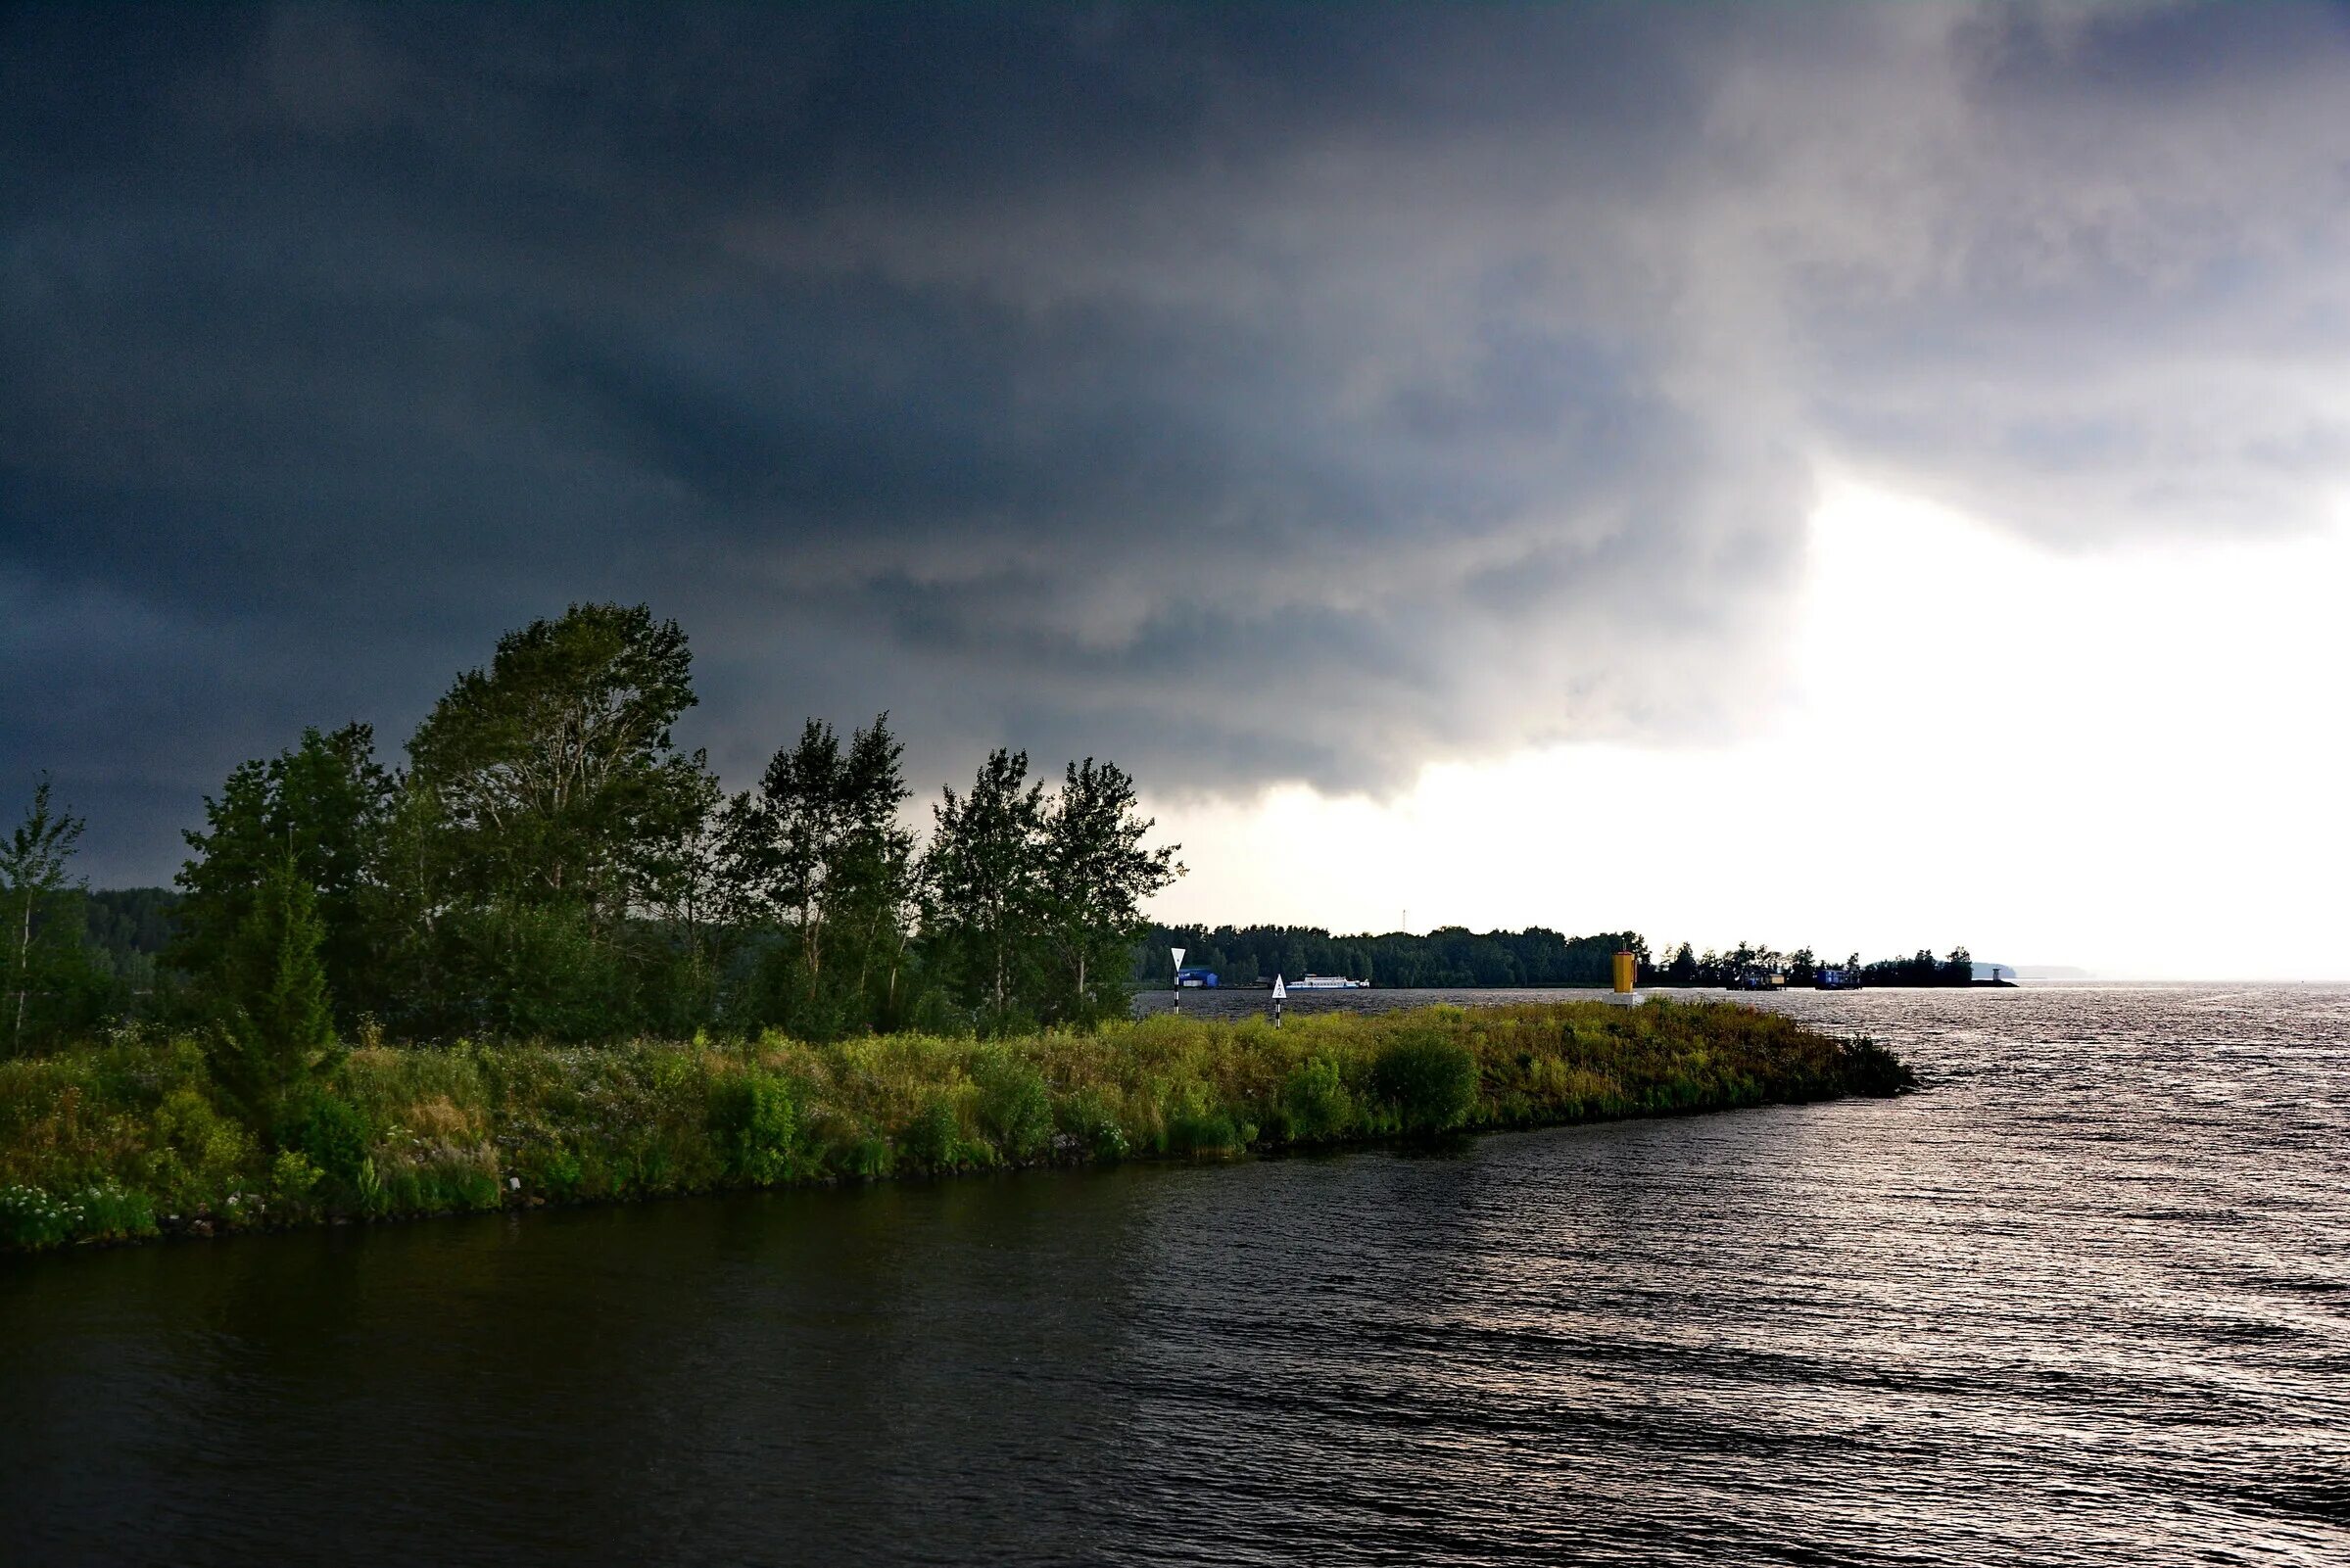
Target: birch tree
{"type": "Point", "coordinates": [32, 885]}
{"type": "Point", "coordinates": [984, 887]}
{"type": "Point", "coordinates": [1096, 875]}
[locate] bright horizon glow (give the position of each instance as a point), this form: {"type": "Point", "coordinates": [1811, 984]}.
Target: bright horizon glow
{"type": "Point", "coordinates": [2131, 761]}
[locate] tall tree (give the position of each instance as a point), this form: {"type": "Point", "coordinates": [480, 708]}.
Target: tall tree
{"type": "Point", "coordinates": [554, 768]}
{"type": "Point", "coordinates": [983, 886]}
{"type": "Point", "coordinates": [868, 870]}
{"type": "Point", "coordinates": [327, 804]}
{"type": "Point", "coordinates": [1095, 876]}
{"type": "Point", "coordinates": [33, 889]}
{"type": "Point", "coordinates": [818, 851]}
{"type": "Point", "coordinates": [691, 902]}
{"type": "Point", "coordinates": [275, 1029]}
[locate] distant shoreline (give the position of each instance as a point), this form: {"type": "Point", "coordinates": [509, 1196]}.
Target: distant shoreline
{"type": "Point", "coordinates": [1263, 987]}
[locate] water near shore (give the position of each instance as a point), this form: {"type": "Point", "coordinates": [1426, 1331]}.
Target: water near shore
{"type": "Point", "coordinates": [2087, 1300]}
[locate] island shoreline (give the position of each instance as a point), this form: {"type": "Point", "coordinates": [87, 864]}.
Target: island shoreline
{"type": "Point", "coordinates": [125, 1141]}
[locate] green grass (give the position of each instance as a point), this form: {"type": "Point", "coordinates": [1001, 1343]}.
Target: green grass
{"type": "Point", "coordinates": [126, 1139]}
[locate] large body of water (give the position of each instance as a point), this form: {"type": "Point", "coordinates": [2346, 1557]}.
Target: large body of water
{"type": "Point", "coordinates": [2087, 1300]}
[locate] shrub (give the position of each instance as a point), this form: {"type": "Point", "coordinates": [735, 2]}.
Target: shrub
{"type": "Point", "coordinates": [1090, 1127]}
{"type": "Point", "coordinates": [111, 1212]}
{"type": "Point", "coordinates": [933, 1139]}
{"type": "Point", "coordinates": [447, 1184]}
{"type": "Point", "coordinates": [539, 972]}
{"type": "Point", "coordinates": [1201, 1131]}
{"type": "Point", "coordinates": [1314, 1100]}
{"type": "Point", "coordinates": [196, 1155]}
{"type": "Point", "coordinates": [1871, 1068]}
{"type": "Point", "coordinates": [1430, 1081]}
{"type": "Point", "coordinates": [1015, 1109]}
{"type": "Point", "coordinates": [556, 1169]}
{"type": "Point", "coordinates": [756, 1119]}
{"type": "Point", "coordinates": [293, 1178]}
{"type": "Point", "coordinates": [335, 1137]}
{"type": "Point", "coordinates": [32, 1218]}
{"type": "Point", "coordinates": [1197, 1124]}
{"type": "Point", "coordinates": [277, 1035]}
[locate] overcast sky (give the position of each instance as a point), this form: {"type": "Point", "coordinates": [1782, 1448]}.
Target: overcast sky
{"type": "Point", "coordinates": [1473, 460]}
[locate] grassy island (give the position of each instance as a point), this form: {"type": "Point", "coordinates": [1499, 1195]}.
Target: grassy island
{"type": "Point", "coordinates": [129, 1138]}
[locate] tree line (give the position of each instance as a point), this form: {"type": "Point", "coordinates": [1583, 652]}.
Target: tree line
{"type": "Point", "coordinates": [547, 861]}
{"type": "Point", "coordinates": [1453, 956]}
{"type": "Point", "coordinates": [1804, 966]}
{"type": "Point", "coordinates": [1450, 955]}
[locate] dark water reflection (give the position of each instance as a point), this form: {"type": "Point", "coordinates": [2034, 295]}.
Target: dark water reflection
{"type": "Point", "coordinates": [2086, 1301]}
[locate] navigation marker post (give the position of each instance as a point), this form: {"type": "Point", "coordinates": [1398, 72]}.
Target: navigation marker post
{"type": "Point", "coordinates": [1178, 978]}
{"type": "Point", "coordinates": [1625, 972]}
{"type": "Point", "coordinates": [1281, 993]}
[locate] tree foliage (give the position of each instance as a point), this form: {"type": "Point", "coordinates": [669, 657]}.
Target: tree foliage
{"type": "Point", "coordinates": [1804, 967]}
{"type": "Point", "coordinates": [818, 861]}
{"type": "Point", "coordinates": [550, 812]}
{"type": "Point", "coordinates": [46, 967]}
{"type": "Point", "coordinates": [552, 864]}
{"type": "Point", "coordinates": [326, 803]}
{"type": "Point", "coordinates": [553, 771]}
{"type": "Point", "coordinates": [1094, 875]}
{"type": "Point", "coordinates": [275, 1029]}
{"type": "Point", "coordinates": [982, 884]}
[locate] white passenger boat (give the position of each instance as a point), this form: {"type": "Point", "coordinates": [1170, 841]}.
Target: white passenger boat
{"type": "Point", "coordinates": [1328, 982]}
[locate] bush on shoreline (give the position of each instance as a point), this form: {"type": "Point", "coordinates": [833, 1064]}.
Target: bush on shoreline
{"type": "Point", "coordinates": [128, 1138]}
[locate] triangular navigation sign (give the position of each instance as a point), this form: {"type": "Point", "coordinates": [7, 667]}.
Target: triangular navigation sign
{"type": "Point", "coordinates": [1281, 992]}
{"type": "Point", "coordinates": [1178, 953]}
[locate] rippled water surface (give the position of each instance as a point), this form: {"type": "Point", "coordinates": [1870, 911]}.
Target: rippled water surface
{"type": "Point", "coordinates": [2085, 1301]}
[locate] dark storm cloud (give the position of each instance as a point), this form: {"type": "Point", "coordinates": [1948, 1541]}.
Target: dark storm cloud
{"type": "Point", "coordinates": [1247, 394]}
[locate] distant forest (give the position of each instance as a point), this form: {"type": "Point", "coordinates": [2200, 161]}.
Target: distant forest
{"type": "Point", "coordinates": [1803, 967]}
{"type": "Point", "coordinates": [114, 965]}
{"type": "Point", "coordinates": [1453, 956]}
